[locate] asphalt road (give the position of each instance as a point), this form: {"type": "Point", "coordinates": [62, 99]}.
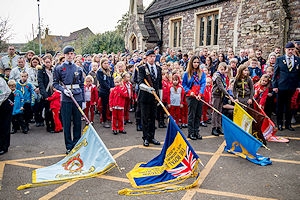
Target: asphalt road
{"type": "Point", "coordinates": [224, 176]}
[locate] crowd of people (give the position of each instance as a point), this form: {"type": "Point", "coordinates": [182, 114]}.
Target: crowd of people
{"type": "Point", "coordinates": [46, 91]}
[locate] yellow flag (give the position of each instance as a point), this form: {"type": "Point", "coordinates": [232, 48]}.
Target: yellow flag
{"type": "Point", "coordinates": [242, 118]}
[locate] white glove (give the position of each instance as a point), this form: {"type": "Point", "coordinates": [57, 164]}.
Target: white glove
{"type": "Point", "coordinates": [146, 88]}
{"type": "Point", "coordinates": [83, 106]}
{"type": "Point", "coordinates": [67, 92]}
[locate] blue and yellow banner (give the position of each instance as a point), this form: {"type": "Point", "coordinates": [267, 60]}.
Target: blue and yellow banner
{"type": "Point", "coordinates": [176, 163]}
{"type": "Point", "coordinates": [241, 143]}
{"type": "Point", "coordinates": [89, 158]}
{"type": "Point", "coordinates": [242, 118]}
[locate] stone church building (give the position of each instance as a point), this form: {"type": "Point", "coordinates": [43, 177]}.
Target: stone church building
{"type": "Point", "coordinates": [191, 25]}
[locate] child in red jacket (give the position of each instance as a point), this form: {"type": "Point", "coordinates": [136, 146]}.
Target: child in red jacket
{"type": "Point", "coordinates": [206, 98]}
{"type": "Point", "coordinates": [117, 97]}
{"type": "Point", "coordinates": [261, 90]}
{"type": "Point", "coordinates": [91, 97]}
{"type": "Point", "coordinates": [55, 108]}
{"type": "Point", "coordinates": [128, 85]}
{"type": "Point", "coordinates": [175, 98]}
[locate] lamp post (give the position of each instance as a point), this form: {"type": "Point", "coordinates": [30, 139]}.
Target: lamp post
{"type": "Point", "coordinates": [40, 44]}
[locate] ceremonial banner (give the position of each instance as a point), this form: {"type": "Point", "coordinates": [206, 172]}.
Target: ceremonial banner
{"type": "Point", "coordinates": [89, 158]}
{"type": "Point", "coordinates": [242, 143]}
{"type": "Point", "coordinates": [257, 125]}
{"type": "Point", "coordinates": [269, 129]}
{"type": "Point", "coordinates": [176, 163]}
{"type": "Point", "coordinates": [242, 118]}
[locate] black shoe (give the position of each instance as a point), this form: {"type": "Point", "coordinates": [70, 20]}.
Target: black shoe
{"type": "Point", "coordinates": [214, 131]}
{"type": "Point", "coordinates": [146, 143]}
{"type": "Point", "coordinates": [219, 130]}
{"type": "Point", "coordinates": [192, 137]}
{"type": "Point", "coordinates": [13, 131]}
{"type": "Point", "coordinates": [129, 122]}
{"type": "Point", "coordinates": [139, 128]}
{"type": "Point", "coordinates": [154, 141]}
{"type": "Point", "coordinates": [290, 128]}
{"type": "Point", "coordinates": [115, 132]}
{"type": "Point", "coordinates": [50, 130]}
{"type": "Point", "coordinates": [208, 122]}
{"type": "Point", "coordinates": [2, 152]}
{"type": "Point", "coordinates": [198, 136]}
{"type": "Point", "coordinates": [280, 128]}
{"type": "Point", "coordinates": [68, 151]}
{"type": "Point", "coordinates": [123, 132]}
{"type": "Point", "coordinates": [203, 124]}
{"type": "Point", "coordinates": [25, 131]}
{"type": "Point", "coordinates": [162, 125]}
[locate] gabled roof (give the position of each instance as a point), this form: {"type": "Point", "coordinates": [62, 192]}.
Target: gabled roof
{"type": "Point", "coordinates": [80, 33]}
{"type": "Point", "coordinates": [165, 7]}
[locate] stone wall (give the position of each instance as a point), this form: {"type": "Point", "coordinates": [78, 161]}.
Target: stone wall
{"type": "Point", "coordinates": [294, 31]}
{"type": "Point", "coordinates": [243, 24]}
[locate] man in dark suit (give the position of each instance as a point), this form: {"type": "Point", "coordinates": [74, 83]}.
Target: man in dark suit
{"type": "Point", "coordinates": [152, 73]}
{"type": "Point", "coordinates": [286, 80]}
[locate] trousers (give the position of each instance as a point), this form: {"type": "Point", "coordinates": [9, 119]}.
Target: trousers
{"type": "Point", "coordinates": [69, 110]}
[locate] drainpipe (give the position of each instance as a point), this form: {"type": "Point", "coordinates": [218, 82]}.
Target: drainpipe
{"type": "Point", "coordinates": [287, 20]}
{"type": "Point", "coordinates": [160, 42]}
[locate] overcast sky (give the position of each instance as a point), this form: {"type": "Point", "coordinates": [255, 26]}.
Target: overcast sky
{"type": "Point", "coordinates": [62, 16]}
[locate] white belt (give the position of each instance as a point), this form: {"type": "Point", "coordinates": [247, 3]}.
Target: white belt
{"type": "Point", "coordinates": [75, 86]}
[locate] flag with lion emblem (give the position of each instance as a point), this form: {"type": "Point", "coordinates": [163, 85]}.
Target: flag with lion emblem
{"type": "Point", "coordinates": [169, 170]}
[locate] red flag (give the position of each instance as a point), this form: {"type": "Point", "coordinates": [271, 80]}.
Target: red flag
{"type": "Point", "coordinates": [269, 129]}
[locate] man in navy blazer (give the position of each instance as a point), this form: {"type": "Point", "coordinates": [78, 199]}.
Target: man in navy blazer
{"type": "Point", "coordinates": [286, 80]}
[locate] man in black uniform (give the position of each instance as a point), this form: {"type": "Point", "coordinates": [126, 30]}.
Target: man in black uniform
{"type": "Point", "coordinates": [152, 73]}
{"type": "Point", "coordinates": [6, 109]}
{"type": "Point", "coordinates": [68, 78]}
{"type": "Point", "coordinates": [286, 80]}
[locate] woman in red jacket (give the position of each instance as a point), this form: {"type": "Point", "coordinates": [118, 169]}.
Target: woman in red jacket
{"type": "Point", "coordinates": [91, 97]}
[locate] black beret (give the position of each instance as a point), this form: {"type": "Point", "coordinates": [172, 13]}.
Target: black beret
{"type": "Point", "coordinates": [68, 49]}
{"type": "Point", "coordinates": [149, 52]}
{"type": "Point", "coordinates": [289, 45]}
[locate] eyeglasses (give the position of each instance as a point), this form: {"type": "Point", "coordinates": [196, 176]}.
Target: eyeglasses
{"type": "Point", "coordinates": [196, 62]}
{"type": "Point", "coordinates": [11, 49]}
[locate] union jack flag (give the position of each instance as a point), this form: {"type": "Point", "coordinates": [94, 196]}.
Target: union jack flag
{"type": "Point", "coordinates": [187, 165]}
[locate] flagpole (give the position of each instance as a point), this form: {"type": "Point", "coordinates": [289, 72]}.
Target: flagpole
{"type": "Point", "coordinates": [266, 117]}
{"type": "Point", "coordinates": [241, 105]}
{"type": "Point", "coordinates": [83, 114]}
{"type": "Point", "coordinates": [210, 106]}
{"type": "Point", "coordinates": [158, 99]}
{"type": "Point", "coordinates": [77, 105]}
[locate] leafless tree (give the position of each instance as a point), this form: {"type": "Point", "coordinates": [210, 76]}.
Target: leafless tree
{"type": "Point", "coordinates": [5, 33]}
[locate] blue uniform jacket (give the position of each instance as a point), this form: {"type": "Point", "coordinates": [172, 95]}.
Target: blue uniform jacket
{"type": "Point", "coordinates": [283, 79]}
{"type": "Point", "coordinates": [105, 82]}
{"type": "Point", "coordinates": [257, 71]}
{"type": "Point", "coordinates": [27, 92]}
{"type": "Point", "coordinates": [18, 102]}
{"type": "Point", "coordinates": [69, 74]}
{"type": "Point", "coordinates": [188, 83]}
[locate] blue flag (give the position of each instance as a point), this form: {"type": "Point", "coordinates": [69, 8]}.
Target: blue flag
{"type": "Point", "coordinates": [241, 143]}
{"type": "Point", "coordinates": [89, 158]}
{"type": "Point", "coordinates": [176, 162]}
